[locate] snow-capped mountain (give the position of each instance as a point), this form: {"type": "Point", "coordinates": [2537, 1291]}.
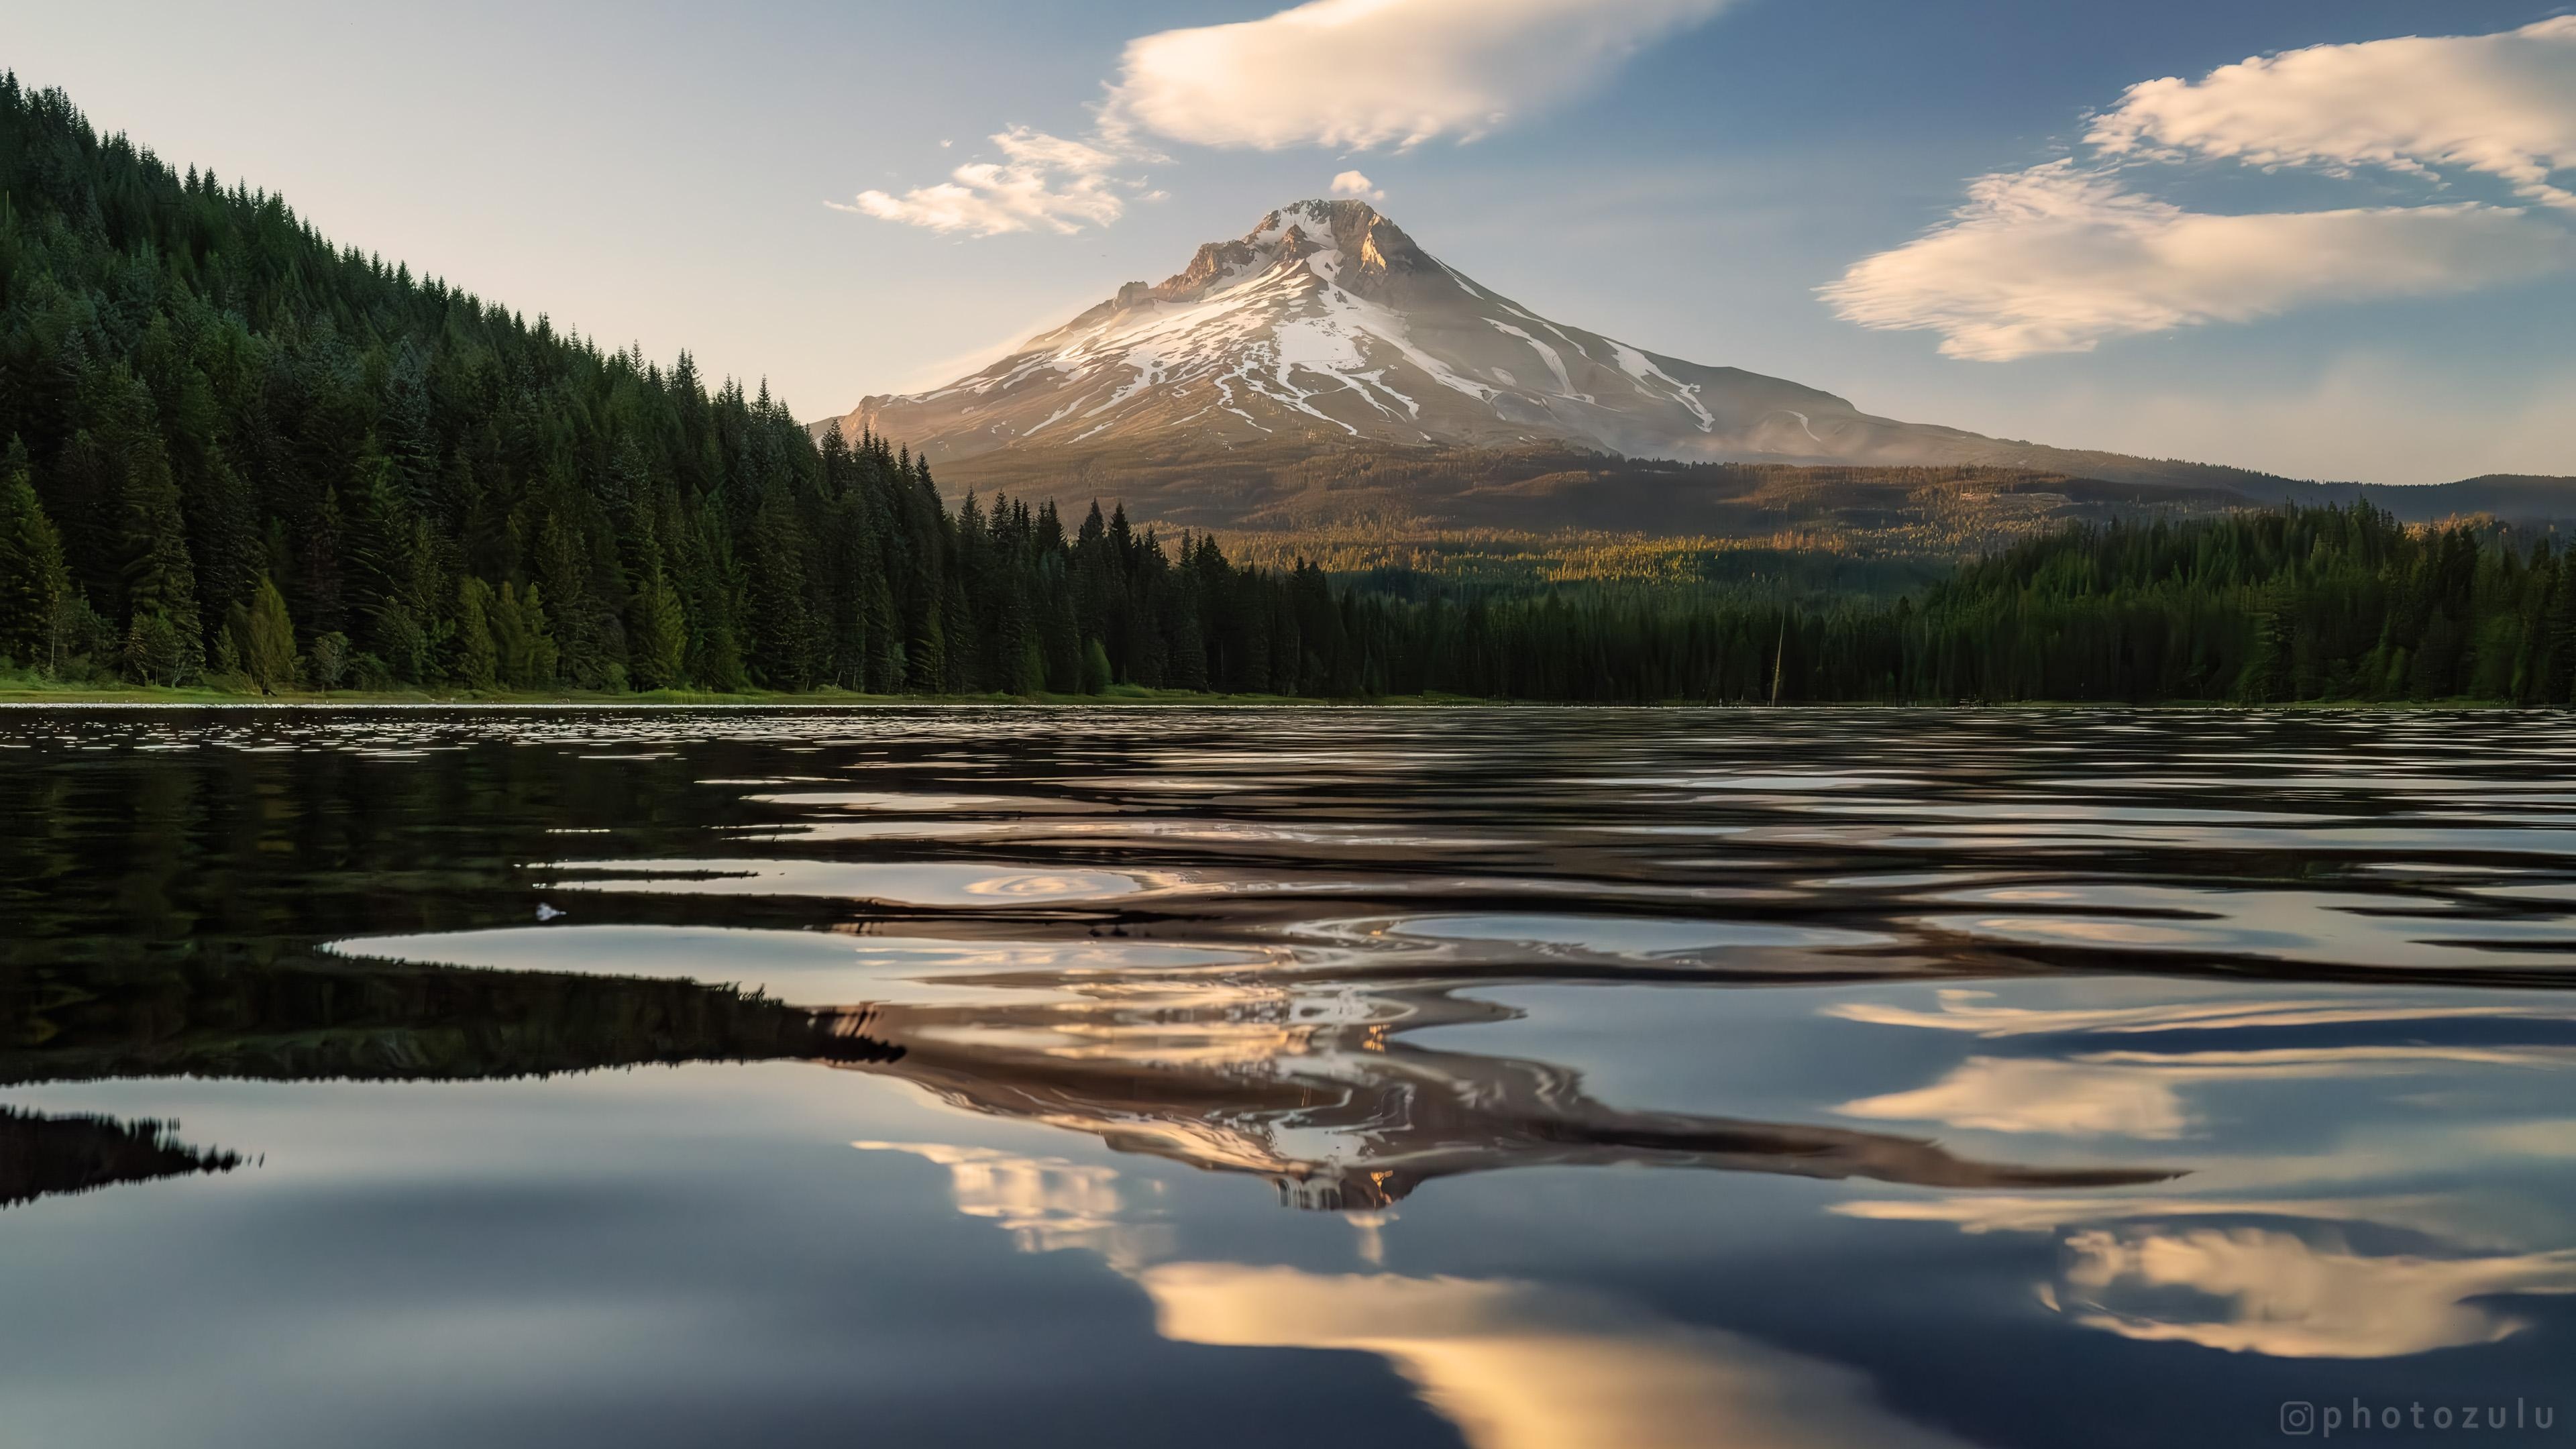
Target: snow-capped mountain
{"type": "Point", "coordinates": [1254, 377]}
{"type": "Point", "coordinates": [1327, 319]}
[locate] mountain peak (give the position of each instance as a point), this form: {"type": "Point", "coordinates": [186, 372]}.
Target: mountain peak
{"type": "Point", "coordinates": [1330, 217]}
{"type": "Point", "coordinates": [1348, 244]}
{"type": "Point", "coordinates": [1327, 324]}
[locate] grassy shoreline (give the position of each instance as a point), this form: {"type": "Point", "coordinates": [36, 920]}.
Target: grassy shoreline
{"type": "Point", "coordinates": [25, 690]}
{"type": "Point", "coordinates": [21, 689]}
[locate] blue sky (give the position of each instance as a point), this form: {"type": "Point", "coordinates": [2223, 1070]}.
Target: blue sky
{"type": "Point", "coordinates": [2215, 269]}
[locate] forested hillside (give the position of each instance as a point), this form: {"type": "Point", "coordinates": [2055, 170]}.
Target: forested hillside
{"type": "Point", "coordinates": [235, 454]}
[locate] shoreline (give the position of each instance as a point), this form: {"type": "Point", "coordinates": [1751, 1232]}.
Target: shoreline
{"type": "Point", "coordinates": [19, 696]}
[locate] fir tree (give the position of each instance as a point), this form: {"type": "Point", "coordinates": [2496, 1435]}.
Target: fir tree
{"type": "Point", "coordinates": [476, 659]}
{"type": "Point", "coordinates": [267, 640]}
{"type": "Point", "coordinates": [542, 658]}
{"type": "Point", "coordinates": [657, 634]}
{"type": "Point", "coordinates": [156, 652]}
{"type": "Point", "coordinates": [510, 644]}
{"type": "Point", "coordinates": [160, 580]}
{"type": "Point", "coordinates": [35, 584]}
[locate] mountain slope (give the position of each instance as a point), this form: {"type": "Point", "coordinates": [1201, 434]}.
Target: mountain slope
{"type": "Point", "coordinates": [1327, 328]}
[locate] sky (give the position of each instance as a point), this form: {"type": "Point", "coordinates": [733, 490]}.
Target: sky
{"type": "Point", "coordinates": [2326, 238]}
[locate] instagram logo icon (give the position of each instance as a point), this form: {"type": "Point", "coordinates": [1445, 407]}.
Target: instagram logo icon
{"type": "Point", "coordinates": [2298, 1417]}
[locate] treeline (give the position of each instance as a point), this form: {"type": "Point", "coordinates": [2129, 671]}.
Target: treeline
{"type": "Point", "coordinates": [2255, 607]}
{"type": "Point", "coordinates": [2293, 604]}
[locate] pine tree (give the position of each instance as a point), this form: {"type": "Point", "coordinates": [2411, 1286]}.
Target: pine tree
{"type": "Point", "coordinates": [657, 634]}
{"type": "Point", "coordinates": [223, 530]}
{"type": "Point", "coordinates": [509, 637]}
{"type": "Point", "coordinates": [268, 640]}
{"type": "Point", "coordinates": [35, 584]}
{"type": "Point", "coordinates": [782, 626]}
{"type": "Point", "coordinates": [586, 652]}
{"type": "Point", "coordinates": [2559, 672]}
{"type": "Point", "coordinates": [476, 660]}
{"type": "Point", "coordinates": [225, 670]}
{"type": "Point", "coordinates": [160, 579]}
{"type": "Point", "coordinates": [2266, 677]}
{"type": "Point", "coordinates": [323, 602]}
{"type": "Point", "coordinates": [156, 652]}
{"type": "Point", "coordinates": [543, 657]}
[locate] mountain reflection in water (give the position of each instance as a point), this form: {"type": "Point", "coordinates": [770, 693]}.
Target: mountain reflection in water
{"type": "Point", "coordinates": [2029, 1078]}
{"type": "Point", "coordinates": [1237, 1079]}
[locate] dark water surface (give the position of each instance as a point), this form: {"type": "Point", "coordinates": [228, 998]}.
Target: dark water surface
{"type": "Point", "coordinates": [1521, 1079]}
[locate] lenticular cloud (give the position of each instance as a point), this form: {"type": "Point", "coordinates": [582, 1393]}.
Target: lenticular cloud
{"type": "Point", "coordinates": [1359, 74]}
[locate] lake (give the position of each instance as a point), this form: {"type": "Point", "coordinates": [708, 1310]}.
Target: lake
{"type": "Point", "coordinates": [1514, 1078]}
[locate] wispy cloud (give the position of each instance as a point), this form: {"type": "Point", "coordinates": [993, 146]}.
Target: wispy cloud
{"type": "Point", "coordinates": [1042, 182]}
{"type": "Point", "coordinates": [1353, 75]}
{"type": "Point", "coordinates": [2066, 255]}
{"type": "Point", "coordinates": [1353, 184]}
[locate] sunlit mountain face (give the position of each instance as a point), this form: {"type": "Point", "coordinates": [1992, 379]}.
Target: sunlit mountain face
{"type": "Point", "coordinates": [1803, 1078]}
{"type": "Point", "coordinates": [1327, 333]}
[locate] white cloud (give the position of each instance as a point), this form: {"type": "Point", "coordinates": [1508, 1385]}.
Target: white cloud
{"type": "Point", "coordinates": [2020, 1094]}
{"type": "Point", "coordinates": [2256, 1291]}
{"type": "Point", "coordinates": [1041, 182]}
{"type": "Point", "coordinates": [1348, 73]}
{"type": "Point", "coordinates": [2060, 257]}
{"type": "Point", "coordinates": [2064, 255]}
{"type": "Point", "coordinates": [2502, 104]}
{"type": "Point", "coordinates": [1357, 74]}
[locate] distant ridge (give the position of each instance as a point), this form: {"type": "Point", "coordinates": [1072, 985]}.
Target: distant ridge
{"type": "Point", "coordinates": [2511, 497]}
